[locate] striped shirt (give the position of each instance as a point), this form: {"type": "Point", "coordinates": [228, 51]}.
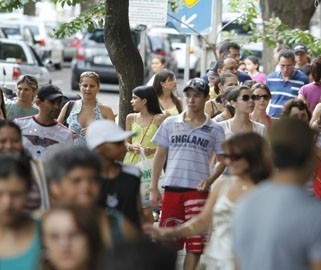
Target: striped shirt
{"type": "Point", "coordinates": [282, 90]}
{"type": "Point", "coordinates": [189, 150]}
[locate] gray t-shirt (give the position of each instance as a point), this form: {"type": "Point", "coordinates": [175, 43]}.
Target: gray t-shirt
{"type": "Point", "coordinates": [14, 111]}
{"type": "Point", "coordinates": [277, 226]}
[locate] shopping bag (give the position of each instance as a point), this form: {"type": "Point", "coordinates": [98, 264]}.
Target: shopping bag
{"type": "Point", "coordinates": [146, 166]}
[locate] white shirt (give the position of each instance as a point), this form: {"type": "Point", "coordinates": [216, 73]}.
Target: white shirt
{"type": "Point", "coordinates": [41, 141]}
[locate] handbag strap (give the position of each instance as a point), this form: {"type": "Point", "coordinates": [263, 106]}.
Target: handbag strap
{"type": "Point", "coordinates": [145, 132]}
{"type": "Point", "coordinates": [144, 135]}
{"type": "Point", "coordinates": [68, 110]}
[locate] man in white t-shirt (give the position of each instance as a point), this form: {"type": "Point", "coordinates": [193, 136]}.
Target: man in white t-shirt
{"type": "Point", "coordinates": [42, 134]}
{"type": "Point", "coordinates": [188, 142]}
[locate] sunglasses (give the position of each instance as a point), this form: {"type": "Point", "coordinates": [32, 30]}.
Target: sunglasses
{"type": "Point", "coordinates": [232, 157]}
{"type": "Point", "coordinates": [258, 97]}
{"type": "Point", "coordinates": [199, 83]}
{"type": "Point", "coordinates": [248, 97]}
{"type": "Point", "coordinates": [28, 78]}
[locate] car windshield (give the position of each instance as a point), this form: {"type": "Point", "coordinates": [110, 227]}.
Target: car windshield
{"type": "Point", "coordinates": [98, 36]}
{"type": "Point", "coordinates": [11, 31]}
{"type": "Point", "coordinates": [176, 38]}
{"type": "Point", "coordinates": [12, 53]}
{"type": "Point", "coordinates": [34, 29]}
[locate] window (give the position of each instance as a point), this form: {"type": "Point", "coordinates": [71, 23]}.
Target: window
{"type": "Point", "coordinates": [12, 52]}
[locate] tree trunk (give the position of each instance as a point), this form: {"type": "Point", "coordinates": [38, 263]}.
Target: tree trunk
{"type": "Point", "coordinates": [293, 13]}
{"type": "Point", "coordinates": [123, 53]}
{"type": "Point", "coordinates": [29, 9]}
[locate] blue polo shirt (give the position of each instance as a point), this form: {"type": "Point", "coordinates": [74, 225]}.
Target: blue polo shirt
{"type": "Point", "coordinates": [283, 91]}
{"type": "Point", "coordinates": [189, 150]}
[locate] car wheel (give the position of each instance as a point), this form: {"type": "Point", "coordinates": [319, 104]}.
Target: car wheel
{"type": "Point", "coordinates": [58, 66]}
{"type": "Point", "coordinates": [192, 73]}
{"type": "Point", "coordinates": [74, 82]}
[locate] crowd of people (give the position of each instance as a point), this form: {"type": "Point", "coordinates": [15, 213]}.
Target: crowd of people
{"type": "Point", "coordinates": [231, 171]}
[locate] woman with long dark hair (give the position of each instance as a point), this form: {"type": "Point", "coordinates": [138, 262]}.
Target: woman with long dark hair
{"type": "Point", "coordinates": [242, 99]}
{"type": "Point", "coordinates": [71, 239]}
{"type": "Point", "coordinates": [165, 84]}
{"type": "Point", "coordinates": [144, 123]}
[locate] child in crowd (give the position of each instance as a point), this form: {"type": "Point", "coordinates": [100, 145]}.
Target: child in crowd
{"type": "Point", "coordinates": [74, 179]}
{"type": "Point", "coordinates": [120, 183]}
{"type": "Point", "coordinates": [252, 66]}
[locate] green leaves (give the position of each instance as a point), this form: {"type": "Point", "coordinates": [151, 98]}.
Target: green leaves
{"type": "Point", "coordinates": [10, 5]}
{"type": "Point", "coordinates": [175, 4]}
{"type": "Point", "coordinates": [273, 29]}
{"type": "Point", "coordinates": [68, 2]}
{"type": "Point", "coordinates": [87, 20]}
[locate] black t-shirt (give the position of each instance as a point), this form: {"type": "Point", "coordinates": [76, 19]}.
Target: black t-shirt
{"type": "Point", "coordinates": [121, 193]}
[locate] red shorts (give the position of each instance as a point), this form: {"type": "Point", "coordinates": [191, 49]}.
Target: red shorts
{"type": "Point", "coordinates": [178, 207]}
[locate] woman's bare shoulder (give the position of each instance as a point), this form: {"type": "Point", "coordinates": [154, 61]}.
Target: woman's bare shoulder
{"type": "Point", "coordinates": [107, 112]}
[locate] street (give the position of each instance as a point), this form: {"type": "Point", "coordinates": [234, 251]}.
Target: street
{"type": "Point", "coordinates": [61, 78]}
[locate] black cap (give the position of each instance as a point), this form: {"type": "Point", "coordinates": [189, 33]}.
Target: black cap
{"type": "Point", "coordinates": [300, 48]}
{"type": "Point", "coordinates": [199, 85]}
{"type": "Point", "coordinates": [49, 92]}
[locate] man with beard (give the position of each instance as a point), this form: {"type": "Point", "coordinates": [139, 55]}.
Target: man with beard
{"type": "Point", "coordinates": [42, 134]}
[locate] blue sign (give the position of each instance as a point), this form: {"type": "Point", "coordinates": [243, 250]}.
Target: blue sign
{"type": "Point", "coordinates": [192, 19]}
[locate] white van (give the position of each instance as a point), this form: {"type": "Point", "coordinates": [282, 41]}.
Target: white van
{"type": "Point", "coordinates": [48, 48]}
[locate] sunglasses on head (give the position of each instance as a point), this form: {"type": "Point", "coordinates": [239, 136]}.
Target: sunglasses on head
{"type": "Point", "coordinates": [196, 82]}
{"type": "Point", "coordinates": [29, 78]}
{"type": "Point", "coordinates": [232, 157]}
{"type": "Point", "coordinates": [248, 97]}
{"type": "Point", "coordinates": [265, 97]}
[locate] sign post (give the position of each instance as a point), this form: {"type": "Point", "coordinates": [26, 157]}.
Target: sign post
{"type": "Point", "coordinates": [194, 18]}
{"type": "Point", "coordinates": [148, 12]}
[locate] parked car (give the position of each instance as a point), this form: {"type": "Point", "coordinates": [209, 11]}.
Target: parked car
{"type": "Point", "coordinates": [92, 55]}
{"type": "Point", "coordinates": [177, 45]}
{"type": "Point", "coordinates": [16, 31]}
{"type": "Point", "coordinates": [70, 43]}
{"type": "Point", "coordinates": [48, 48]}
{"type": "Point", "coordinates": [2, 33]}
{"type": "Point", "coordinates": [17, 58]}
{"type": "Point", "coordinates": [160, 45]}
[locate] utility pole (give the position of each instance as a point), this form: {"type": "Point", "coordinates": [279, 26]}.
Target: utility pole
{"type": "Point", "coordinates": [213, 39]}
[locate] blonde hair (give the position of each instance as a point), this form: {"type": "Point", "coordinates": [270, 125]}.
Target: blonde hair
{"type": "Point", "coordinates": [90, 74]}
{"type": "Point", "coordinates": [30, 80]}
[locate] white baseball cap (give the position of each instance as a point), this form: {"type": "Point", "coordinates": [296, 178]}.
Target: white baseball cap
{"type": "Point", "coordinates": [105, 131]}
